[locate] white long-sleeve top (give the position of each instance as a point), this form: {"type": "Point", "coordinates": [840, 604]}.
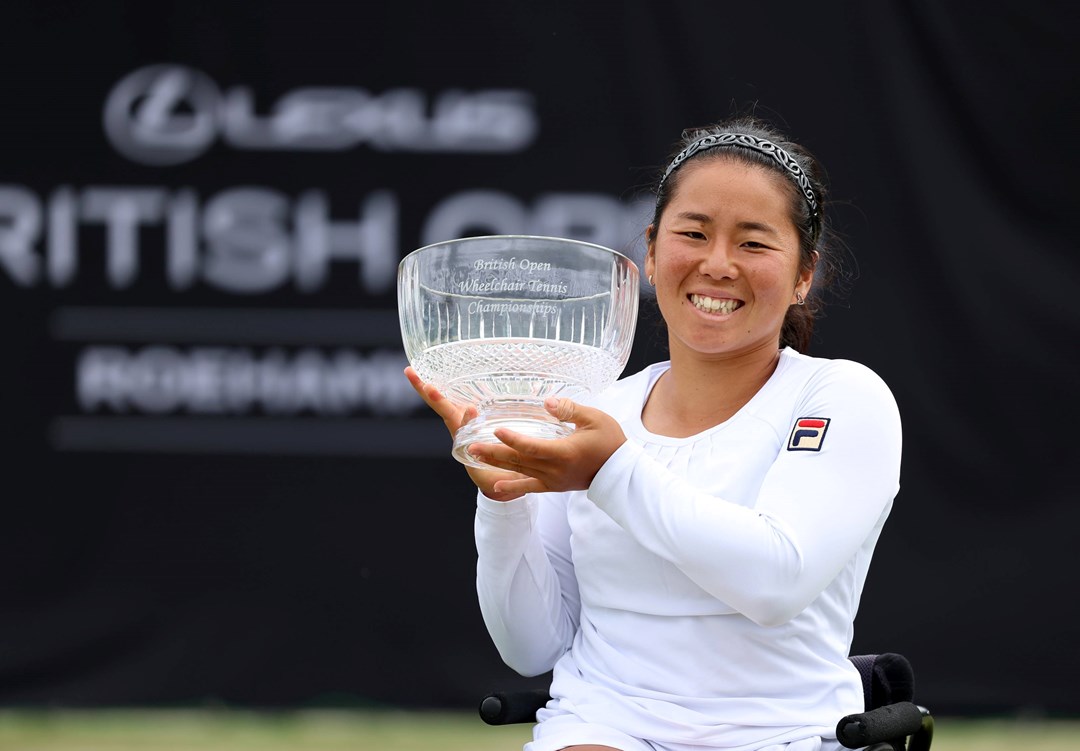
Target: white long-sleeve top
{"type": "Point", "coordinates": [703, 590]}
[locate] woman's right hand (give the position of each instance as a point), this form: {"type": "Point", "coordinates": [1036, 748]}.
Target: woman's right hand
{"type": "Point", "coordinates": [454, 417]}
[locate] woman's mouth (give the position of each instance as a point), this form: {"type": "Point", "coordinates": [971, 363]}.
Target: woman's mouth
{"type": "Point", "coordinates": [723, 305]}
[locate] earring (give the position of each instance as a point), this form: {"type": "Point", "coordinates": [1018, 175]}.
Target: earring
{"type": "Point", "coordinates": [799, 299]}
{"type": "Point", "coordinates": [651, 282]}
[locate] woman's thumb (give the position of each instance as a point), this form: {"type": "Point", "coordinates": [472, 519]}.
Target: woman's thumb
{"type": "Point", "coordinates": [566, 410]}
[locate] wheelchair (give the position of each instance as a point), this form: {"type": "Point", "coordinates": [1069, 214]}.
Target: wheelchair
{"type": "Point", "coordinates": [891, 720]}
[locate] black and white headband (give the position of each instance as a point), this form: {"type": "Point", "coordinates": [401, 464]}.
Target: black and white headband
{"type": "Point", "coordinates": [760, 145]}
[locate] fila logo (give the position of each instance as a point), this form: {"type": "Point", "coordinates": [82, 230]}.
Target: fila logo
{"type": "Point", "coordinates": [808, 434]}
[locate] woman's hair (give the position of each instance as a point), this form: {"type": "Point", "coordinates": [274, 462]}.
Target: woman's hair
{"type": "Point", "coordinates": [753, 142]}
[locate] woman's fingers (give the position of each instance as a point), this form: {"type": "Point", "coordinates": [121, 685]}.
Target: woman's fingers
{"type": "Point", "coordinates": [538, 465]}
{"type": "Point", "coordinates": [533, 461]}
{"type": "Point", "coordinates": [523, 444]}
{"type": "Point", "coordinates": [498, 483]}
{"type": "Point", "coordinates": [427, 392]}
{"type": "Point", "coordinates": [413, 377]}
{"type": "Point", "coordinates": [418, 385]}
{"type": "Point", "coordinates": [516, 488]}
{"type": "Point", "coordinates": [489, 481]}
{"type": "Point", "coordinates": [558, 464]}
{"type": "Point", "coordinates": [498, 456]}
{"type": "Point", "coordinates": [453, 416]}
{"type": "Point", "coordinates": [561, 409]}
{"type": "Point", "coordinates": [567, 410]}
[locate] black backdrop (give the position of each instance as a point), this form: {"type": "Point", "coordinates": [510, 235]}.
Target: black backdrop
{"type": "Point", "coordinates": [216, 485]}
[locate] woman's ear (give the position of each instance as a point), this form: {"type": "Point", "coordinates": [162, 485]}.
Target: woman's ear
{"type": "Point", "coordinates": [650, 251]}
{"type": "Point", "coordinates": [805, 279]}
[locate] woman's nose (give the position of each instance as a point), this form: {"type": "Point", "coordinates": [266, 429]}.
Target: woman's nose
{"type": "Point", "coordinates": [719, 262]}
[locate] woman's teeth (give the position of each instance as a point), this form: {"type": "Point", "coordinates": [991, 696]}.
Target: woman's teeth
{"type": "Point", "coordinates": [714, 305]}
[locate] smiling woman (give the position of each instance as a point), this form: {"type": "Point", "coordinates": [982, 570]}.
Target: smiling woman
{"type": "Point", "coordinates": [677, 561]}
{"type": "Point", "coordinates": [725, 260]}
{"type": "Point", "coordinates": [796, 176]}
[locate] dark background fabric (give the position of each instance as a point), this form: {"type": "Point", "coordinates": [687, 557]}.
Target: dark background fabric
{"type": "Point", "coordinates": [270, 555]}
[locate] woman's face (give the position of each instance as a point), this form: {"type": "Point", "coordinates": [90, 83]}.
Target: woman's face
{"type": "Point", "coordinates": [725, 259]}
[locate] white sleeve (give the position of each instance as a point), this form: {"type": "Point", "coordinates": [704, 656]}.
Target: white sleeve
{"type": "Point", "coordinates": [525, 579]}
{"type": "Point", "coordinates": [814, 511]}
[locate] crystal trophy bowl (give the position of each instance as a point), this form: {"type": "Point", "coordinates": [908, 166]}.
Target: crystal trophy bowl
{"type": "Point", "coordinates": [504, 322]}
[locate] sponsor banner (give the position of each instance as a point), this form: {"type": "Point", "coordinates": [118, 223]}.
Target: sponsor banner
{"type": "Point", "coordinates": [258, 304]}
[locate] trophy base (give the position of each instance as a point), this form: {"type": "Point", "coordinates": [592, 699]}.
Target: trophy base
{"type": "Point", "coordinates": [527, 417]}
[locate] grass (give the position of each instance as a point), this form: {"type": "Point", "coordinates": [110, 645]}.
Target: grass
{"type": "Point", "coordinates": [231, 730]}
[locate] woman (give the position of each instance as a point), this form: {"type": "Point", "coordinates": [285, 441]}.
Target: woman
{"type": "Point", "coordinates": [690, 560]}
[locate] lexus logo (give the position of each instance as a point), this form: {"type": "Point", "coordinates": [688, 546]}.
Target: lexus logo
{"type": "Point", "coordinates": [169, 114]}
{"type": "Point", "coordinates": [163, 114]}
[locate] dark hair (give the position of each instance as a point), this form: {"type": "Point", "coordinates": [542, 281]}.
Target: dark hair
{"type": "Point", "coordinates": [814, 235]}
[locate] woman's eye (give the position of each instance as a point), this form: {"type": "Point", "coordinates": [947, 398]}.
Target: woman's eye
{"type": "Point", "coordinates": [754, 245]}
{"type": "Point", "coordinates": [694, 235]}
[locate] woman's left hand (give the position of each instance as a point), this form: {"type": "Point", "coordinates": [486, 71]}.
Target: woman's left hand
{"type": "Point", "coordinates": [555, 465]}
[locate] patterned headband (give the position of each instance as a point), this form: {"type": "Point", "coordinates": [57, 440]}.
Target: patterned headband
{"type": "Point", "coordinates": [760, 145]}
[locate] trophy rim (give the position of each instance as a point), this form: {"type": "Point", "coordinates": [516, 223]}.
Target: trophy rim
{"type": "Point", "coordinates": [567, 240]}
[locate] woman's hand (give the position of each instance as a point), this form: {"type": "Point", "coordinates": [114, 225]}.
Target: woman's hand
{"type": "Point", "coordinates": [545, 465]}
{"type": "Point", "coordinates": [454, 417]}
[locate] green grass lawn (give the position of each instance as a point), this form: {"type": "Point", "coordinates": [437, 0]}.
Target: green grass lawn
{"type": "Point", "coordinates": [226, 730]}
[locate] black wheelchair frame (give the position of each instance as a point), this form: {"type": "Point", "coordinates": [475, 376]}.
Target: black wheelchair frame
{"type": "Point", "coordinates": [891, 720]}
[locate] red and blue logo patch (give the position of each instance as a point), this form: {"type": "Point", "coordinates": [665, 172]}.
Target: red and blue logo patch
{"type": "Point", "coordinates": [808, 434]}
